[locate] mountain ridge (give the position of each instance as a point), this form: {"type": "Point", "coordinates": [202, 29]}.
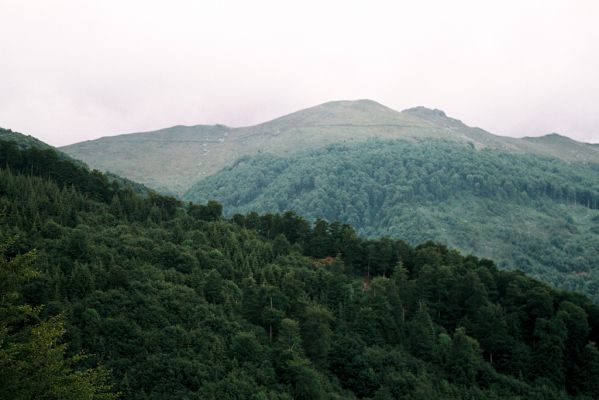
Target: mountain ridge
{"type": "Point", "coordinates": [173, 159]}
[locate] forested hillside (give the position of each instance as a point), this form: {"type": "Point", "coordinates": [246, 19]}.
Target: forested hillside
{"type": "Point", "coordinates": [528, 212]}
{"type": "Point", "coordinates": [180, 303]}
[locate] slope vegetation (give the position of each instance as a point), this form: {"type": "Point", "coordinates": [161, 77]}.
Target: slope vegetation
{"type": "Point", "coordinates": [527, 212]}
{"type": "Point", "coordinates": [181, 304]}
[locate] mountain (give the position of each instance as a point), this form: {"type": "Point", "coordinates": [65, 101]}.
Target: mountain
{"type": "Point", "coordinates": [173, 159]}
{"type": "Point", "coordinates": [168, 160]}
{"type": "Point", "coordinates": [418, 174]}
{"type": "Point", "coordinates": [556, 145]}
{"type": "Point", "coordinates": [179, 303]}
{"type": "Point", "coordinates": [527, 212]}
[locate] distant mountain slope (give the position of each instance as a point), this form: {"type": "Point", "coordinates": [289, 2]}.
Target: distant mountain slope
{"type": "Point", "coordinates": [529, 212]}
{"type": "Point", "coordinates": [167, 160]}
{"type": "Point", "coordinates": [563, 147]}
{"type": "Point", "coordinates": [173, 159]}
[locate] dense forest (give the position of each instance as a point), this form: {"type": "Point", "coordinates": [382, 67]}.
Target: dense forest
{"type": "Point", "coordinates": [107, 293]}
{"type": "Point", "coordinates": [526, 212]}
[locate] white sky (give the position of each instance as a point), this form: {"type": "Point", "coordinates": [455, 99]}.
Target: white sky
{"type": "Point", "coordinates": [80, 69]}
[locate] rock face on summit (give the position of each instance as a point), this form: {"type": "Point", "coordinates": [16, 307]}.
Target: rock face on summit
{"type": "Point", "coordinates": [173, 159]}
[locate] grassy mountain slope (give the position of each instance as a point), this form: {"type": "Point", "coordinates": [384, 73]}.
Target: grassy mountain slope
{"type": "Point", "coordinates": [181, 304]}
{"type": "Point", "coordinates": [559, 146]}
{"type": "Point", "coordinates": [173, 159]}
{"type": "Point", "coordinates": [529, 212]}
{"type": "Point", "coordinates": [168, 160]}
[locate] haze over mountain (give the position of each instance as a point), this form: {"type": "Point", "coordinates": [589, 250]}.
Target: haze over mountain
{"type": "Point", "coordinates": [172, 159]}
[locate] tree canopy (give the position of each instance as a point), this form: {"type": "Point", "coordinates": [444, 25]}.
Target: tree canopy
{"type": "Point", "coordinates": [179, 302]}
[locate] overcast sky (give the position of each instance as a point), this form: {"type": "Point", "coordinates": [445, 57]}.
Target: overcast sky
{"type": "Point", "coordinates": [77, 70]}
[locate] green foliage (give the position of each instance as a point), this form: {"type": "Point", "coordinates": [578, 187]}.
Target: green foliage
{"type": "Point", "coordinates": [33, 359]}
{"type": "Point", "coordinates": [317, 333]}
{"type": "Point", "coordinates": [180, 303]}
{"type": "Point", "coordinates": [535, 214]}
{"type": "Point", "coordinates": [464, 360]}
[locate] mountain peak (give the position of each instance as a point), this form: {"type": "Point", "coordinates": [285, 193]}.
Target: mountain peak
{"type": "Point", "coordinates": [555, 135]}
{"type": "Point", "coordinates": [353, 105]}
{"type": "Point", "coordinates": [433, 115]}
{"type": "Point", "coordinates": [340, 112]}
{"type": "Point", "coordinates": [426, 112]}
{"type": "Point", "coordinates": [552, 137]}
